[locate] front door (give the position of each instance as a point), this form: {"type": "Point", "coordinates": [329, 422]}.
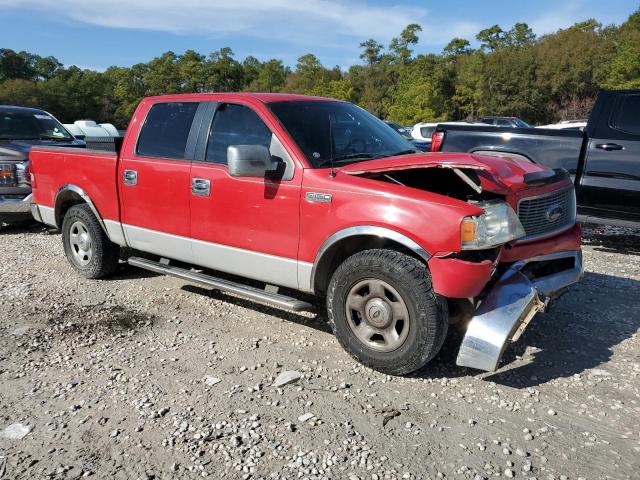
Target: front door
{"type": "Point", "coordinates": [154, 182]}
{"type": "Point", "coordinates": [244, 226]}
{"type": "Point", "coordinates": [610, 185]}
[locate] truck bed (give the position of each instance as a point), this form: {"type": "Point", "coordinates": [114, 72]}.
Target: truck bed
{"type": "Point", "coordinates": [552, 148]}
{"type": "Point", "coordinates": [56, 167]}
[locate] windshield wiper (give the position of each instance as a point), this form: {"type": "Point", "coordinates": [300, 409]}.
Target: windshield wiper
{"type": "Point", "coordinates": [350, 156]}
{"type": "Point", "coordinates": [353, 156]}
{"type": "Point", "coordinates": [53, 137]}
{"type": "Point", "coordinates": [19, 138]}
{"type": "Point", "coordinates": [403, 152]}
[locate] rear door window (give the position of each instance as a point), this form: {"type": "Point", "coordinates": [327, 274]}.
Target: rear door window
{"type": "Point", "coordinates": [627, 118]}
{"type": "Point", "coordinates": [166, 130]}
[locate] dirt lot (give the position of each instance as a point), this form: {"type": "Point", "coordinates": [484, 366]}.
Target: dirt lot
{"type": "Point", "coordinates": [141, 376]}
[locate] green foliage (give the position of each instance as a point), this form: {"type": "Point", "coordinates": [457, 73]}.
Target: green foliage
{"type": "Point", "coordinates": [491, 38]}
{"type": "Point", "coordinates": [512, 72]}
{"type": "Point", "coordinates": [624, 68]}
{"type": "Point", "coordinates": [371, 51]}
{"type": "Point", "coordinates": [457, 46]}
{"type": "Point", "coordinates": [271, 77]}
{"type": "Point", "coordinates": [413, 96]}
{"type": "Point", "coordinates": [400, 46]}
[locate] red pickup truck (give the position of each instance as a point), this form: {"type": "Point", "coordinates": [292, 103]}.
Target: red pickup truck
{"type": "Point", "coordinates": [317, 195]}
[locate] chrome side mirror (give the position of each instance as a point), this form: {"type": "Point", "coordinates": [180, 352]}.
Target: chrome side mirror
{"type": "Point", "coordinates": [248, 160]}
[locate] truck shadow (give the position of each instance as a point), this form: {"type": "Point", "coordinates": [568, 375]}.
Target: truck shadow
{"type": "Point", "coordinates": [578, 334]}
{"type": "Point", "coordinates": [317, 321]}
{"type": "Point", "coordinates": [612, 239]}
{"type": "Point", "coordinates": [29, 226]}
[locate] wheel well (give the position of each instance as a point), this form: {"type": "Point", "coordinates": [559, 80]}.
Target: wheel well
{"type": "Point", "coordinates": [343, 249]}
{"type": "Point", "coordinates": [64, 202]}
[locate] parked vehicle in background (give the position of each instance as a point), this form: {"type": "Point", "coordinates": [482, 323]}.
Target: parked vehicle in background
{"type": "Point", "coordinates": [604, 160]}
{"type": "Point", "coordinates": [423, 146]}
{"type": "Point", "coordinates": [88, 128]}
{"type": "Point", "coordinates": [320, 196]}
{"type": "Point", "coordinates": [423, 131]}
{"type": "Point", "coordinates": [566, 125]}
{"type": "Point", "coordinates": [20, 129]}
{"type": "Point", "coordinates": [513, 122]}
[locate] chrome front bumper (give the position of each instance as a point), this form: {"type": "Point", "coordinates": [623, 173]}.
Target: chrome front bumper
{"type": "Point", "coordinates": [15, 205]}
{"type": "Point", "coordinates": [511, 304]}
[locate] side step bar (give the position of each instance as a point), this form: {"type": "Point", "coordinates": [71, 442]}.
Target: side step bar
{"type": "Point", "coordinates": [251, 293]}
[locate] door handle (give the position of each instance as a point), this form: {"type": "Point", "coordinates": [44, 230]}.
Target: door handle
{"type": "Point", "coordinates": [201, 187]}
{"type": "Point", "coordinates": [130, 177]}
{"type": "Point", "coordinates": [609, 146]}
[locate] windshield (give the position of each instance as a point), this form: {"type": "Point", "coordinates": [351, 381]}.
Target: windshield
{"type": "Point", "coordinates": [326, 130]}
{"type": "Point", "coordinates": [521, 123]}
{"type": "Point", "coordinates": [401, 130]}
{"type": "Point", "coordinates": [31, 126]}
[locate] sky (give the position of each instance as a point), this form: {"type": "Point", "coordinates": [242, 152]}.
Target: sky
{"type": "Point", "coordinates": [95, 34]}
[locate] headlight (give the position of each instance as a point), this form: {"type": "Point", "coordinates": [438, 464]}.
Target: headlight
{"type": "Point", "coordinates": [498, 225]}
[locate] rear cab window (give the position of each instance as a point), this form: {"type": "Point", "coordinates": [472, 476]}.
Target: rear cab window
{"type": "Point", "coordinates": [626, 117]}
{"type": "Point", "coordinates": [166, 130]}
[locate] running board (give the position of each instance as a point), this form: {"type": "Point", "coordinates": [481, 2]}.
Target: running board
{"type": "Point", "coordinates": [251, 293]}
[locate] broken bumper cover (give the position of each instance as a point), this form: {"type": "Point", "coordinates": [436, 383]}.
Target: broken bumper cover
{"type": "Point", "coordinates": [514, 299]}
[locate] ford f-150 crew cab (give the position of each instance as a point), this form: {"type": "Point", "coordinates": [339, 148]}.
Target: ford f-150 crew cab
{"type": "Point", "coordinates": [604, 160]}
{"type": "Point", "coordinates": [317, 195]}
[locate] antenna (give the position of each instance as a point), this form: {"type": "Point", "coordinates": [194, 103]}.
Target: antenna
{"type": "Point", "coordinates": [332, 173]}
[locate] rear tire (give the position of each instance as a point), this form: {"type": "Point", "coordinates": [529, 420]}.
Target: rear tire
{"type": "Point", "coordinates": [86, 245]}
{"type": "Point", "coordinates": [384, 312]}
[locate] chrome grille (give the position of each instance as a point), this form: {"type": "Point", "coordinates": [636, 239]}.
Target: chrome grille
{"type": "Point", "coordinates": [547, 214]}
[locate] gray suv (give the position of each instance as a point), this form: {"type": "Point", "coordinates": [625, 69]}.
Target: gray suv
{"type": "Point", "coordinates": [20, 129]}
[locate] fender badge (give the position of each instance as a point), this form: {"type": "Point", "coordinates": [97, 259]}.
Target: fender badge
{"type": "Point", "coordinates": [315, 197]}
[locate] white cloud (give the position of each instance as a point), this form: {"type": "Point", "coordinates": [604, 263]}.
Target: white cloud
{"type": "Point", "coordinates": [571, 11]}
{"type": "Point", "coordinates": [322, 21]}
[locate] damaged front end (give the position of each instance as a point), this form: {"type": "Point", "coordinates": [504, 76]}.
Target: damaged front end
{"type": "Point", "coordinates": [523, 290]}
{"type": "Point", "coordinates": [514, 257]}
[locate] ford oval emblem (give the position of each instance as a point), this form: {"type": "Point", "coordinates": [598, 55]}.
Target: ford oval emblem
{"type": "Point", "coordinates": [553, 213]}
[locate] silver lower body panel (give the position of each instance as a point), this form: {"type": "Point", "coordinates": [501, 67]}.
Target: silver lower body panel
{"type": "Point", "coordinates": [511, 304]}
{"type": "Point", "coordinates": [15, 205]}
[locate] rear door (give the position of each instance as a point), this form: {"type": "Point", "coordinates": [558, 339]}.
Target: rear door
{"type": "Point", "coordinates": [154, 180]}
{"type": "Point", "coordinates": [245, 226]}
{"type": "Point", "coordinates": [610, 185]}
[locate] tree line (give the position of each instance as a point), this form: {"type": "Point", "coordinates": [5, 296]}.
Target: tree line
{"type": "Point", "coordinates": [512, 72]}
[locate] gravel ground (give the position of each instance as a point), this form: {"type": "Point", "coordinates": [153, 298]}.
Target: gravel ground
{"type": "Point", "coordinates": [141, 376]}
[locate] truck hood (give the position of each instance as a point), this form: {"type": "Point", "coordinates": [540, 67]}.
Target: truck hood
{"type": "Point", "coordinates": [496, 174]}
{"type": "Point", "coordinates": [18, 150]}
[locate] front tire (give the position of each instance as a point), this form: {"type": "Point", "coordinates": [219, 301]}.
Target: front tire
{"type": "Point", "coordinates": [86, 245]}
{"type": "Point", "coordinates": [384, 312]}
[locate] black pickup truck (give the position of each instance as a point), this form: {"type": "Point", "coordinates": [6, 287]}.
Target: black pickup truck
{"type": "Point", "coordinates": [603, 160]}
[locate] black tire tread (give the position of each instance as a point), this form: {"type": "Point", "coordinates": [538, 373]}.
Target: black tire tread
{"type": "Point", "coordinates": [106, 254]}
{"type": "Point", "coordinates": [413, 276]}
